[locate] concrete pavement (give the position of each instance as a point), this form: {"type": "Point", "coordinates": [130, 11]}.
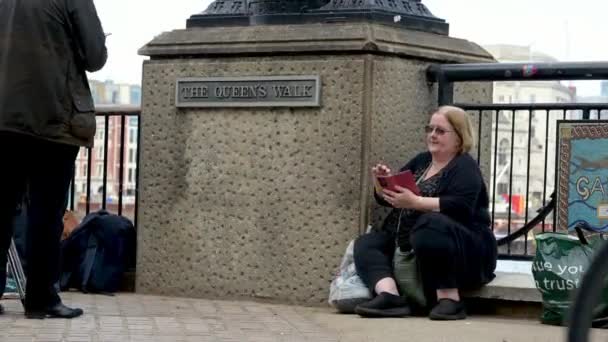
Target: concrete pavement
{"type": "Point", "coordinates": [132, 317]}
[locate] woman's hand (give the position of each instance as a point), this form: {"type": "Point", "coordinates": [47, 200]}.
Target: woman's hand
{"type": "Point", "coordinates": [379, 170]}
{"type": "Point", "coordinates": [402, 198]}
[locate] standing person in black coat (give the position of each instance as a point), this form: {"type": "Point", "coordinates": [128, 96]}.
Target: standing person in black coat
{"type": "Point", "coordinates": [46, 115]}
{"type": "Point", "coordinates": [447, 226]}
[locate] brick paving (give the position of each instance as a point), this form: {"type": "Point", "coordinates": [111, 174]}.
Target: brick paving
{"type": "Point", "coordinates": [141, 318]}
{"type": "Point", "coordinates": [130, 317]}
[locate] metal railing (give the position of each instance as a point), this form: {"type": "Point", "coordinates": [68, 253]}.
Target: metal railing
{"type": "Point", "coordinates": [520, 154]}
{"type": "Point", "coordinates": [545, 170]}
{"type": "Point", "coordinates": [105, 176]}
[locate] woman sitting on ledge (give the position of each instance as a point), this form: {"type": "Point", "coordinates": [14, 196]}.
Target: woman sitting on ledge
{"type": "Point", "coordinates": [447, 226]}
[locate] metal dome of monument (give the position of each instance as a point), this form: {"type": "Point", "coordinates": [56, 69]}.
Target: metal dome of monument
{"type": "Point", "coordinates": [409, 14]}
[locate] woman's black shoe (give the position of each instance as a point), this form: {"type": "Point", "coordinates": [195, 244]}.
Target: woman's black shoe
{"type": "Point", "coordinates": [384, 305]}
{"type": "Point", "coordinates": [448, 310]}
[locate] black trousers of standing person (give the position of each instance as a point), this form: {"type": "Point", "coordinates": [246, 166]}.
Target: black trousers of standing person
{"type": "Point", "coordinates": [44, 169]}
{"type": "Point", "coordinates": [449, 255]}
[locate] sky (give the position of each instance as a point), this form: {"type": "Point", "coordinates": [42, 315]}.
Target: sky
{"type": "Point", "coordinates": [568, 30]}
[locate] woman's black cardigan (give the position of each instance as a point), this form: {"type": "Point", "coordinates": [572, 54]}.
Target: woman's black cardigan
{"type": "Point", "coordinates": [462, 192]}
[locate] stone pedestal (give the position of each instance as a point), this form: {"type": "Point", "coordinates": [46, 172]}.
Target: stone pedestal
{"type": "Point", "coordinates": [261, 202]}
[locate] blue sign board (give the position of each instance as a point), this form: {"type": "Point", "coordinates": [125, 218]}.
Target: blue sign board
{"type": "Point", "coordinates": [582, 174]}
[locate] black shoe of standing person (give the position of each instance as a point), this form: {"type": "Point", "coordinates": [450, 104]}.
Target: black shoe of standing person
{"type": "Point", "coordinates": [56, 311]}
{"type": "Point", "coordinates": [384, 305]}
{"type": "Point", "coordinates": [448, 310]}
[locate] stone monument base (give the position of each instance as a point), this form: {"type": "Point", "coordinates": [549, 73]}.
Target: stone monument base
{"type": "Point", "coordinates": [260, 202]}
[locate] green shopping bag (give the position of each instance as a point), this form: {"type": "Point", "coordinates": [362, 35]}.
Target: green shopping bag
{"type": "Point", "coordinates": [558, 270]}
{"type": "Point", "coordinates": [407, 277]}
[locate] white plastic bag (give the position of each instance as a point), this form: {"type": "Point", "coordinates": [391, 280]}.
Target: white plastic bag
{"type": "Point", "coordinates": [347, 289]}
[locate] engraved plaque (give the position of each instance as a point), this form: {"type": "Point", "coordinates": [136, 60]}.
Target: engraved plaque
{"type": "Point", "coordinates": [254, 91]}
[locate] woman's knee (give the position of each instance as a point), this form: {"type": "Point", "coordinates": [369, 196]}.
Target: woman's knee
{"type": "Point", "coordinates": [374, 240]}
{"type": "Point", "coordinates": [371, 246]}
{"type": "Point", "coordinates": [433, 219]}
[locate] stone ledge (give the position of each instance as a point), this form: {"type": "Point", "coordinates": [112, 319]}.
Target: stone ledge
{"type": "Point", "coordinates": [314, 38]}
{"type": "Point", "coordinates": [509, 286]}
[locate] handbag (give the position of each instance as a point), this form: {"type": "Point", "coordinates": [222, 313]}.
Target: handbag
{"type": "Point", "coordinates": [408, 279]}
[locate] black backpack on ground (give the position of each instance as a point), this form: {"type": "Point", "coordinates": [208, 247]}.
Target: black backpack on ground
{"type": "Point", "coordinates": [95, 256]}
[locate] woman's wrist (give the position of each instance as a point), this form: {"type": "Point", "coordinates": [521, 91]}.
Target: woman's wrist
{"type": "Point", "coordinates": [419, 203]}
{"type": "Point", "coordinates": [426, 203]}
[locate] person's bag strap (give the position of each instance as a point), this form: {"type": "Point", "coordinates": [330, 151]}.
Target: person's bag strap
{"type": "Point", "coordinates": [89, 260]}
{"type": "Point", "coordinates": [418, 181]}
{"type": "Point", "coordinates": [579, 232]}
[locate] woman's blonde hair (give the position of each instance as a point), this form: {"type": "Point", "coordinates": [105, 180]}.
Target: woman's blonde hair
{"type": "Point", "coordinates": [460, 121]}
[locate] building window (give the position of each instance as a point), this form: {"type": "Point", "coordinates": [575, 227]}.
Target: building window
{"type": "Point", "coordinates": [503, 188]}
{"type": "Point", "coordinates": [84, 170]}
{"type": "Point", "coordinates": [131, 155]}
{"type": "Point", "coordinates": [133, 121]}
{"type": "Point", "coordinates": [503, 150]}
{"type": "Point", "coordinates": [84, 187]}
{"type": "Point", "coordinates": [100, 152]}
{"type": "Point", "coordinates": [501, 99]}
{"type": "Point", "coordinates": [130, 178]}
{"type": "Point", "coordinates": [503, 117]}
{"type": "Point", "coordinates": [100, 170]}
{"type": "Point", "coordinates": [132, 136]}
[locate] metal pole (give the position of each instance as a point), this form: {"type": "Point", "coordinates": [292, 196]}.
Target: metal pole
{"type": "Point", "coordinates": [445, 88]}
{"type": "Point", "coordinates": [16, 269]}
{"type": "Point", "coordinates": [519, 71]}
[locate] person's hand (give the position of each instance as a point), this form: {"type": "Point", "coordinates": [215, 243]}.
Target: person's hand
{"type": "Point", "coordinates": [402, 198]}
{"type": "Point", "coordinates": [379, 170]}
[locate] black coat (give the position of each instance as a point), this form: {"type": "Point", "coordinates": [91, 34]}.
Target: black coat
{"type": "Point", "coordinates": [45, 48]}
{"type": "Point", "coordinates": [462, 192]}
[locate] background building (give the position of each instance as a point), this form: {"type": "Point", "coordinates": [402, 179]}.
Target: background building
{"type": "Point", "coordinates": [602, 98]}
{"type": "Point", "coordinates": [113, 165]}
{"type": "Point", "coordinates": [105, 94]}
{"type": "Point", "coordinates": [526, 141]}
{"type": "Point", "coordinates": [110, 93]}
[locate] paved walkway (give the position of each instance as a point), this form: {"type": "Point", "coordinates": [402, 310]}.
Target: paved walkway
{"type": "Point", "coordinates": [130, 317]}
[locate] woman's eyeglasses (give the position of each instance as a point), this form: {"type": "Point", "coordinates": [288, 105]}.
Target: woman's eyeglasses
{"type": "Point", "coordinates": [440, 131]}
